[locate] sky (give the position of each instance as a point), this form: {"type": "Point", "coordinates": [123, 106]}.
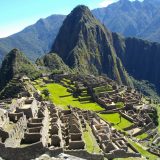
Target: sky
{"type": "Point", "coordinates": [17, 14]}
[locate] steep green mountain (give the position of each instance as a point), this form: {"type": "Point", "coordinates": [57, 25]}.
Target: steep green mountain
{"type": "Point", "coordinates": [132, 18]}
{"type": "Point", "coordinates": [53, 62]}
{"type": "Point", "coordinates": [34, 40]}
{"type": "Point", "coordinates": [85, 45]}
{"type": "Point", "coordinates": [15, 64]}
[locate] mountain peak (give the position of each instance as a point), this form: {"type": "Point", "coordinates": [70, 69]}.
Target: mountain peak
{"type": "Point", "coordinates": [80, 12]}
{"type": "Point", "coordinates": [13, 55]}
{"type": "Point", "coordinates": [14, 51]}
{"type": "Point", "coordinates": [81, 8]}
{"type": "Point", "coordinates": [85, 45]}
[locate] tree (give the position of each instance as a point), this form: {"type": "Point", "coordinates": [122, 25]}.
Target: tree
{"type": "Point", "coordinates": [46, 93]}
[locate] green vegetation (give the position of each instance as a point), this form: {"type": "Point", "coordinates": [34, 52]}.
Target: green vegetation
{"type": "Point", "coordinates": [62, 98]}
{"type": "Point", "coordinates": [53, 62]}
{"type": "Point", "coordinates": [142, 136]}
{"type": "Point", "coordinates": [114, 118]}
{"type": "Point", "coordinates": [46, 93]}
{"type": "Point", "coordinates": [142, 151]}
{"type": "Point", "coordinates": [101, 89]}
{"type": "Point", "coordinates": [119, 104]}
{"type": "Point", "coordinates": [158, 110]}
{"type": "Point", "coordinates": [90, 141]}
{"type": "Point", "coordinates": [16, 64]}
{"type": "Point", "coordinates": [146, 88]}
{"type": "Point", "coordinates": [130, 158]}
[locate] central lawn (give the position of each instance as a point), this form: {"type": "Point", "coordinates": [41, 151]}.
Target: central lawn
{"type": "Point", "coordinates": [60, 97]}
{"type": "Point", "coordinates": [115, 119]}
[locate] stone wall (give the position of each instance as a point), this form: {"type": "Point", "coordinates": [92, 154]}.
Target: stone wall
{"type": "Point", "coordinates": [16, 133]}
{"type": "Point", "coordinates": [144, 129]}
{"type": "Point", "coordinates": [23, 153]}
{"type": "Point", "coordinates": [120, 154]}
{"type": "Point", "coordinates": [126, 117]}
{"type": "Point", "coordinates": [84, 154]}
{"type": "Point", "coordinates": [4, 119]}
{"type": "Point", "coordinates": [76, 144]}
{"type": "Point", "coordinates": [14, 117]}
{"type": "Point", "coordinates": [30, 138]}
{"type": "Point", "coordinates": [3, 135]}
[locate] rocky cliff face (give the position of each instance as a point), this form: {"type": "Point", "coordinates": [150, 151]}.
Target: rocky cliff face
{"type": "Point", "coordinates": [140, 58]}
{"type": "Point", "coordinates": [85, 45]}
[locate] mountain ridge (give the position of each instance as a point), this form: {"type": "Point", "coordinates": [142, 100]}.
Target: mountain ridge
{"type": "Point", "coordinates": [142, 21]}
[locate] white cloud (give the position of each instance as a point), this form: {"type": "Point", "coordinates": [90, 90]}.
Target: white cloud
{"type": "Point", "coordinates": [105, 3]}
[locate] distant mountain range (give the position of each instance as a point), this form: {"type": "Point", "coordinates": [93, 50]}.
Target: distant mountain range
{"type": "Point", "coordinates": [138, 19]}
{"type": "Point", "coordinates": [84, 45]}
{"type": "Point", "coordinates": [132, 18]}
{"type": "Point", "coordinates": [34, 40]}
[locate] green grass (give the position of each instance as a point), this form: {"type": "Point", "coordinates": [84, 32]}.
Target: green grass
{"type": "Point", "coordinates": [60, 97]}
{"type": "Point", "coordinates": [119, 104]}
{"type": "Point", "coordinates": [115, 119]}
{"type": "Point", "coordinates": [90, 141]}
{"type": "Point", "coordinates": [103, 89]}
{"type": "Point", "coordinates": [142, 136]}
{"type": "Point", "coordinates": [130, 158]}
{"type": "Point", "coordinates": [143, 152]}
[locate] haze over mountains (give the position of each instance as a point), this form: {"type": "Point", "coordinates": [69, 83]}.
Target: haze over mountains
{"type": "Point", "coordinates": [135, 18]}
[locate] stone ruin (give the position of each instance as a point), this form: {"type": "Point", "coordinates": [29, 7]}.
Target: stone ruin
{"type": "Point", "coordinates": [134, 110]}
{"type": "Point", "coordinates": [112, 142]}
{"type": "Point", "coordinates": [23, 128]}
{"type": "Point", "coordinates": [31, 127]}
{"type": "Point", "coordinates": [34, 128]}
